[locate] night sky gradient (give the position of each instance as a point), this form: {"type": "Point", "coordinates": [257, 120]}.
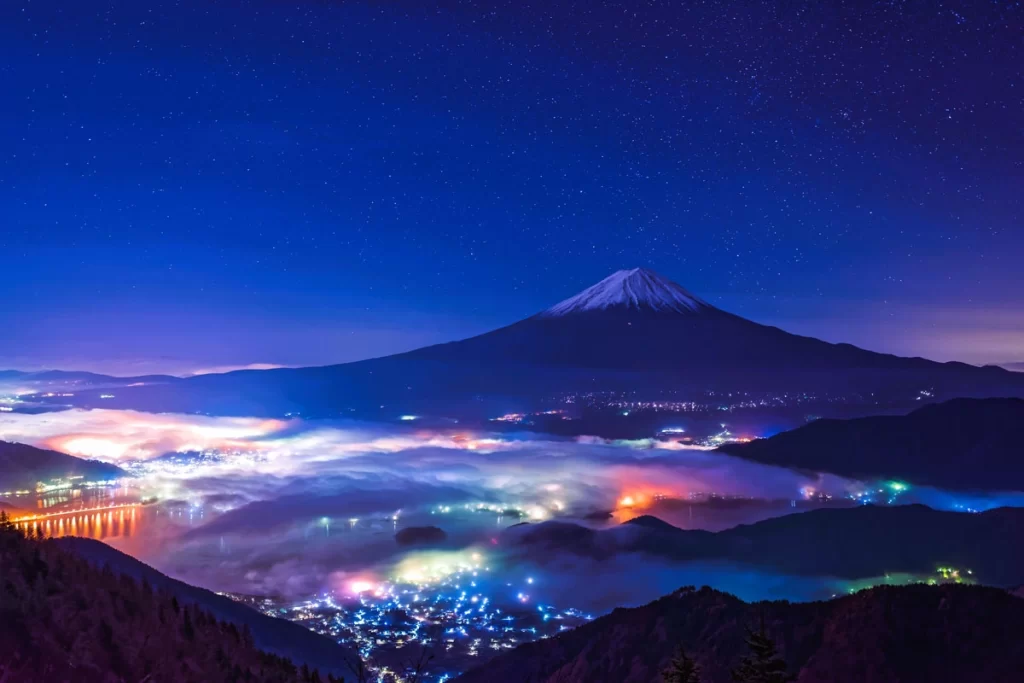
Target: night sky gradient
{"type": "Point", "coordinates": [192, 185]}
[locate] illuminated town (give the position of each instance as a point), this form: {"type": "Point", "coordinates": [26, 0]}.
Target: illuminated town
{"type": "Point", "coordinates": [941, 575]}
{"type": "Point", "coordinates": [705, 402]}
{"type": "Point", "coordinates": [450, 607]}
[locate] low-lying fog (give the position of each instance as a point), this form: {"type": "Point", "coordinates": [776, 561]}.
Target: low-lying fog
{"type": "Point", "coordinates": [293, 508]}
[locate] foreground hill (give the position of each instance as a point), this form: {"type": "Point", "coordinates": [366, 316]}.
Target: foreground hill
{"type": "Point", "coordinates": [277, 636]}
{"type": "Point", "coordinates": [962, 444]}
{"type": "Point", "coordinates": [64, 619]}
{"type": "Point", "coordinates": [22, 466]}
{"type": "Point", "coordinates": [848, 543]}
{"type": "Point", "coordinates": [910, 634]}
{"type": "Point", "coordinates": [634, 331]}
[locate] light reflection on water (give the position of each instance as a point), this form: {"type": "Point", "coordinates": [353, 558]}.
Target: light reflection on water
{"type": "Point", "coordinates": [99, 525]}
{"type": "Point", "coordinates": [114, 515]}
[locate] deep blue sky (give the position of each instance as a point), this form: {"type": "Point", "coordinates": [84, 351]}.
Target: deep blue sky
{"type": "Point", "coordinates": [195, 184]}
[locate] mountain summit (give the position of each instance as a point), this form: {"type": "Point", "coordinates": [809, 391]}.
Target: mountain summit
{"type": "Point", "coordinates": [638, 289]}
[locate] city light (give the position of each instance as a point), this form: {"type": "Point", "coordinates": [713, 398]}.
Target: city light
{"type": "Point", "coordinates": [448, 603]}
{"type": "Point", "coordinates": [362, 586]}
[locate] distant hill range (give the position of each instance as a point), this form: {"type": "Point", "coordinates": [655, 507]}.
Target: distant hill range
{"type": "Point", "coordinates": [634, 331]}
{"type": "Point", "coordinates": [49, 390]}
{"type": "Point", "coordinates": [70, 378]}
{"type": "Point", "coordinates": [21, 467]}
{"type": "Point", "coordinates": [75, 610]}
{"type": "Point", "coordinates": [961, 444]}
{"type": "Point", "coordinates": [848, 543]}
{"type": "Point", "coordinates": [909, 634]}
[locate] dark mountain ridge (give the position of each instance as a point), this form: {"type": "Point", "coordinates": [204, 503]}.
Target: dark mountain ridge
{"type": "Point", "coordinates": [962, 444]}
{"type": "Point", "coordinates": [909, 634]}
{"type": "Point", "coordinates": [849, 543]}
{"type": "Point", "coordinates": [64, 377]}
{"type": "Point", "coordinates": [21, 466]}
{"type": "Point", "coordinates": [65, 618]}
{"type": "Point", "coordinates": [277, 636]}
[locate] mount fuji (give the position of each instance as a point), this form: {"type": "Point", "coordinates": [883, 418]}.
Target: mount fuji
{"type": "Point", "coordinates": [635, 331]}
{"type": "Point", "coordinates": [639, 320]}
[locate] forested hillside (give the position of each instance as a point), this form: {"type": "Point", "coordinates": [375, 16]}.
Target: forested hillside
{"type": "Point", "coordinates": [61, 619]}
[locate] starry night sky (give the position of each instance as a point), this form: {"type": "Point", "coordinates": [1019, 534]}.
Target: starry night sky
{"type": "Point", "coordinates": [194, 184]}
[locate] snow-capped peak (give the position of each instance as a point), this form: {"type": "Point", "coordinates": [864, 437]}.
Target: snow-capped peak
{"type": "Point", "coordinates": [639, 289]}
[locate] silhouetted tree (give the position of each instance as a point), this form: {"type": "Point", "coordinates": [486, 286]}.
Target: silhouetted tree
{"type": "Point", "coordinates": [418, 669]}
{"type": "Point", "coordinates": [682, 669]}
{"type": "Point", "coordinates": [763, 664]}
{"type": "Point", "coordinates": [186, 628]}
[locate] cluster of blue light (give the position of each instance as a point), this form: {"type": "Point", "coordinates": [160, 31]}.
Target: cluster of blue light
{"type": "Point", "coordinates": [443, 623]}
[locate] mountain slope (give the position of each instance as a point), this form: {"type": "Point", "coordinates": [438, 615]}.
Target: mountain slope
{"type": "Point", "coordinates": [911, 634]}
{"type": "Point", "coordinates": [277, 636]}
{"type": "Point", "coordinates": [639, 320]}
{"type": "Point", "coordinates": [63, 619]}
{"type": "Point", "coordinates": [22, 466]}
{"type": "Point", "coordinates": [635, 331]}
{"type": "Point", "coordinates": [962, 444]}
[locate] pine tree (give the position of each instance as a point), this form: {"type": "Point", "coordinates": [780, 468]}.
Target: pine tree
{"type": "Point", "coordinates": [763, 664]}
{"type": "Point", "coordinates": [682, 669]}
{"type": "Point", "coordinates": [187, 630]}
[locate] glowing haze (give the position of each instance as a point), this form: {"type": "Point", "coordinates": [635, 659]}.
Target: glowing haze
{"type": "Point", "coordinates": [291, 507]}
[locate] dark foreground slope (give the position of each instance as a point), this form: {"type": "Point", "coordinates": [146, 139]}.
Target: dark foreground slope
{"type": "Point", "coordinates": [277, 636]}
{"type": "Point", "coordinates": [850, 543]}
{"type": "Point", "coordinates": [22, 466]}
{"type": "Point", "coordinates": [64, 619]}
{"type": "Point", "coordinates": [962, 444]}
{"type": "Point", "coordinates": [910, 634]}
